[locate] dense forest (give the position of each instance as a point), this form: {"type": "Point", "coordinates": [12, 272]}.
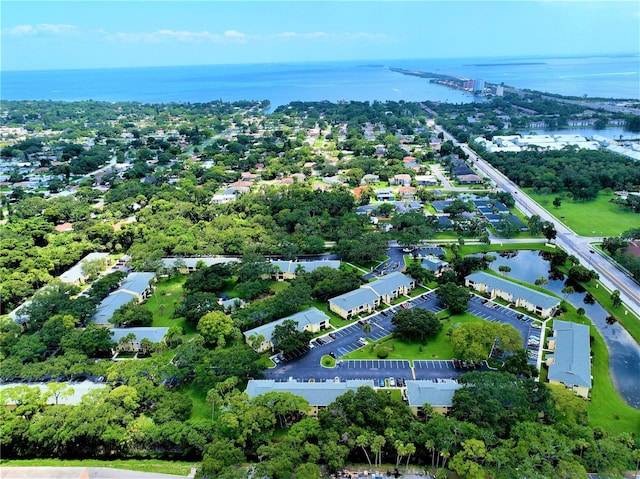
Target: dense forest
{"type": "Point", "coordinates": [580, 173]}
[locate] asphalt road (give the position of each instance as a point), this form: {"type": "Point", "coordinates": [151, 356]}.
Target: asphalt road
{"type": "Point", "coordinates": [610, 274]}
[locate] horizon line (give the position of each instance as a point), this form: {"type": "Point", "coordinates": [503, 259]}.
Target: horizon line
{"type": "Point", "coordinates": [290, 62]}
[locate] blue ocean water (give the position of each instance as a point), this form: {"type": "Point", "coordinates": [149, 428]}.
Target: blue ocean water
{"type": "Point", "coordinates": [281, 83]}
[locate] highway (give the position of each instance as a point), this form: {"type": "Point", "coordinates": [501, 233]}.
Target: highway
{"type": "Point", "coordinates": [611, 276]}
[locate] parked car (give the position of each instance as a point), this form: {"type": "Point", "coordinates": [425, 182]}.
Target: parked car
{"type": "Point", "coordinates": [382, 383]}
{"type": "Point", "coordinates": [392, 382]}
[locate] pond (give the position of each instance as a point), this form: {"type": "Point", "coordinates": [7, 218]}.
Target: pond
{"type": "Point", "coordinates": [624, 352]}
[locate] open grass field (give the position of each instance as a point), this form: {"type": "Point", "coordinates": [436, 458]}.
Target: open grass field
{"type": "Point", "coordinates": [178, 468]}
{"type": "Point", "coordinates": [598, 217]}
{"type": "Point", "coordinates": [163, 302]}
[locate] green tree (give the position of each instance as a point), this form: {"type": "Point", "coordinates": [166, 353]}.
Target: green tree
{"type": "Point", "coordinates": [615, 298]}
{"type": "Point", "coordinates": [455, 298]}
{"type": "Point", "coordinates": [287, 338]}
{"type": "Point", "coordinates": [504, 269]}
{"type": "Point", "coordinates": [215, 327]}
{"type": "Point", "coordinates": [473, 341]}
{"type": "Point", "coordinates": [416, 324]}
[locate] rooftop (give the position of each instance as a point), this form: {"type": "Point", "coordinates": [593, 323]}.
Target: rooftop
{"type": "Point", "coordinates": [74, 274]}
{"type": "Point", "coordinates": [436, 394]}
{"type": "Point", "coordinates": [303, 318]}
{"type": "Point", "coordinates": [154, 335]}
{"type": "Point", "coordinates": [355, 298]}
{"type": "Point", "coordinates": [572, 356]}
{"type": "Point", "coordinates": [308, 266]}
{"type": "Point", "coordinates": [517, 291]}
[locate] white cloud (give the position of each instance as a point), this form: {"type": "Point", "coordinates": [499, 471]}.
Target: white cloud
{"type": "Point", "coordinates": [233, 36]}
{"type": "Point", "coordinates": [43, 28]}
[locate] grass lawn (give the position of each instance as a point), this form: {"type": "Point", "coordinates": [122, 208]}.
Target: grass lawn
{"type": "Point", "coordinates": [485, 248]}
{"type": "Point", "coordinates": [178, 468]}
{"type": "Point", "coordinates": [200, 409]}
{"type": "Point", "coordinates": [163, 303]}
{"type": "Point", "coordinates": [597, 217]}
{"type": "Point", "coordinates": [437, 348]}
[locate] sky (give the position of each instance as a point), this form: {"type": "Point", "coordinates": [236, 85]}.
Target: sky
{"type": "Point", "coordinates": [52, 35]}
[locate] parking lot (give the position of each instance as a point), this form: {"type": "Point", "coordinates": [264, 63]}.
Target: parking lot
{"type": "Point", "coordinates": [529, 328]}
{"type": "Point", "coordinates": [343, 341]}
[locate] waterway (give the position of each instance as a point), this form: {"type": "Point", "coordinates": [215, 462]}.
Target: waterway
{"type": "Point", "coordinates": [624, 352]}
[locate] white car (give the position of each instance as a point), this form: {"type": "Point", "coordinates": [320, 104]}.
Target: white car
{"type": "Point", "coordinates": [392, 382]}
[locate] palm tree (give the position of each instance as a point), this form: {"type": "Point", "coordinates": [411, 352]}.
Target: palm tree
{"type": "Point", "coordinates": [363, 441]}
{"type": "Point", "coordinates": [409, 450]}
{"type": "Point", "coordinates": [567, 290]}
{"type": "Point", "coordinates": [376, 447]}
{"type": "Point", "coordinates": [445, 455]}
{"type": "Point", "coordinates": [431, 446]}
{"type": "Point", "coordinates": [366, 328]}
{"type": "Point", "coordinates": [541, 281]}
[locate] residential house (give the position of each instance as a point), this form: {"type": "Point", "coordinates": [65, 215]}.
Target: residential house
{"type": "Point", "coordinates": [311, 319]}
{"type": "Point", "coordinates": [438, 394]}
{"type": "Point", "coordinates": [385, 194]}
{"type": "Point", "coordinates": [318, 394]}
{"type": "Point", "coordinates": [135, 288]}
{"type": "Point", "coordinates": [471, 179]}
{"type": "Point", "coordinates": [224, 197]}
{"type": "Point", "coordinates": [289, 269]}
{"type": "Point", "coordinates": [369, 296]}
{"type": "Point", "coordinates": [401, 180]}
{"type": "Point", "coordinates": [570, 363]}
{"type": "Point", "coordinates": [134, 345]}
{"type": "Point", "coordinates": [434, 264]}
{"type": "Point", "coordinates": [369, 179]}
{"type": "Point", "coordinates": [534, 301]}
{"type": "Point", "coordinates": [75, 274]}
{"type": "Point", "coordinates": [353, 303]}
{"type": "Point", "coordinates": [189, 265]}
{"type": "Point", "coordinates": [407, 192]}
{"type": "Point", "coordinates": [426, 180]}
{"type": "Point", "coordinates": [391, 286]}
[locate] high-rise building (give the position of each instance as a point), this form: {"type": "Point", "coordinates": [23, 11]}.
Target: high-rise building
{"type": "Point", "coordinates": [478, 85]}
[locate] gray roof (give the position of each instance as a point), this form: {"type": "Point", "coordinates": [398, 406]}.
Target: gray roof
{"type": "Point", "coordinates": [390, 283]}
{"type": "Point", "coordinates": [572, 356]}
{"type": "Point", "coordinates": [79, 390]}
{"type": "Point", "coordinates": [74, 274]}
{"type": "Point", "coordinates": [193, 262]}
{"type": "Point", "coordinates": [437, 394]}
{"type": "Point", "coordinates": [292, 266]}
{"type": "Point", "coordinates": [137, 282]}
{"type": "Point", "coordinates": [433, 264]}
{"type": "Point", "coordinates": [318, 394]}
{"type": "Point", "coordinates": [108, 306]}
{"type": "Point", "coordinates": [303, 318]}
{"type": "Point", "coordinates": [355, 298]}
{"type": "Point", "coordinates": [518, 291]}
{"type": "Point", "coordinates": [134, 284]}
{"type": "Point", "coordinates": [154, 335]}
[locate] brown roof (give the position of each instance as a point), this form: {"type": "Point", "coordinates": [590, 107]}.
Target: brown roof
{"type": "Point", "coordinates": [64, 227]}
{"type": "Point", "coordinates": [634, 248]}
